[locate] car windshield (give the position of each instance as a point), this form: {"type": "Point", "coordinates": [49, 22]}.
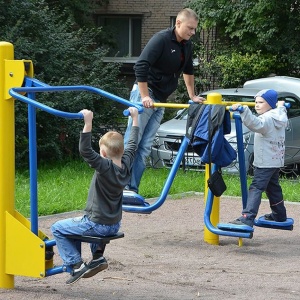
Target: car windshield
{"type": "Point", "coordinates": [237, 98]}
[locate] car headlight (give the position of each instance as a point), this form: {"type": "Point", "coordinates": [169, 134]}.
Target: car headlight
{"type": "Point", "coordinates": [156, 141]}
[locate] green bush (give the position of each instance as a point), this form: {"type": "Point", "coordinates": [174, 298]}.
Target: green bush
{"type": "Point", "coordinates": [236, 68]}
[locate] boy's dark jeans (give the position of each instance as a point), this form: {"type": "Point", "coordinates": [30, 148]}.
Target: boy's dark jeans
{"type": "Point", "coordinates": [265, 179]}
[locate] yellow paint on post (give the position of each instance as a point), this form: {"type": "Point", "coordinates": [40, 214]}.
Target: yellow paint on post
{"type": "Point", "coordinates": [209, 237]}
{"type": "Point", "coordinates": [25, 250]}
{"type": "Point", "coordinates": [214, 98]}
{"type": "Point", "coordinates": [14, 75]}
{"type": "Point", "coordinates": [7, 159]}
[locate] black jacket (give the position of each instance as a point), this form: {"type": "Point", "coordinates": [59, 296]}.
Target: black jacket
{"type": "Point", "coordinates": [160, 63]}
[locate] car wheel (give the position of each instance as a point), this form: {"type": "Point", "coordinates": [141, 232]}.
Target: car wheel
{"type": "Point", "coordinates": [291, 170]}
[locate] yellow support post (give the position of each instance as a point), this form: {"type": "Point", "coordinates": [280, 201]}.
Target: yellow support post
{"type": "Point", "coordinates": [7, 159]}
{"type": "Point", "coordinates": [209, 237]}
{"type": "Point", "coordinates": [21, 251]}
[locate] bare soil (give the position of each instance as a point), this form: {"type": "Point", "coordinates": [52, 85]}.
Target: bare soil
{"type": "Point", "coordinates": [164, 256]}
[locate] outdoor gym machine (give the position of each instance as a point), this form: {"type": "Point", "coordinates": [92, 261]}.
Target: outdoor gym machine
{"type": "Point", "coordinates": [23, 247]}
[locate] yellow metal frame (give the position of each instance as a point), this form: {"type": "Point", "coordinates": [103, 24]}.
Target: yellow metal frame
{"type": "Point", "coordinates": [7, 159]}
{"type": "Point", "coordinates": [25, 251]}
{"type": "Point", "coordinates": [21, 251]}
{"type": "Point", "coordinates": [209, 237]}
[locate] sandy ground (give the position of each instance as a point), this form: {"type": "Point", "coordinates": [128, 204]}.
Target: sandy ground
{"type": "Point", "coordinates": [164, 256]}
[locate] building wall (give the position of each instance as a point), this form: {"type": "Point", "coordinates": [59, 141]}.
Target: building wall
{"type": "Point", "coordinates": [156, 13]}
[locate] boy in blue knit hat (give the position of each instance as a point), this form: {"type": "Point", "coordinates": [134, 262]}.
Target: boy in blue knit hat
{"type": "Point", "coordinates": [269, 147]}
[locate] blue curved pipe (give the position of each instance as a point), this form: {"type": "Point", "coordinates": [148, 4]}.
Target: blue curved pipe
{"type": "Point", "coordinates": [166, 188]}
{"type": "Point", "coordinates": [33, 86]}
{"type": "Point", "coordinates": [209, 225]}
{"type": "Point", "coordinates": [15, 92]}
{"type": "Point", "coordinates": [241, 157]}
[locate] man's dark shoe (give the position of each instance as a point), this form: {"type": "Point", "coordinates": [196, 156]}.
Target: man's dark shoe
{"type": "Point", "coordinates": [78, 272]}
{"type": "Point", "coordinates": [95, 266]}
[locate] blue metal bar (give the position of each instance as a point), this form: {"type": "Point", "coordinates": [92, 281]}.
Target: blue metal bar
{"type": "Point", "coordinates": [46, 108]}
{"type": "Point", "coordinates": [32, 86]}
{"type": "Point", "coordinates": [166, 188]}
{"type": "Point", "coordinates": [34, 82]}
{"type": "Point", "coordinates": [33, 168]}
{"type": "Point", "coordinates": [33, 156]}
{"type": "Point", "coordinates": [56, 270]}
{"type": "Point", "coordinates": [50, 243]}
{"type": "Point", "coordinates": [14, 92]}
{"type": "Point", "coordinates": [241, 157]}
{"type": "Point", "coordinates": [209, 225]}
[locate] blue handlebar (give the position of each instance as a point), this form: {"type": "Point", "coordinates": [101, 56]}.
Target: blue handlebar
{"type": "Point", "coordinates": [239, 109]}
{"type": "Point", "coordinates": [140, 109]}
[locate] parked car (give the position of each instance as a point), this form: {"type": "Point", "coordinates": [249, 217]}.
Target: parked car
{"type": "Point", "coordinates": [171, 133]}
{"type": "Point", "coordinates": [283, 83]}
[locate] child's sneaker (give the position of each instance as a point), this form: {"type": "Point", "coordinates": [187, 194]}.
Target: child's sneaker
{"type": "Point", "coordinates": [95, 266]}
{"type": "Point", "coordinates": [241, 222]}
{"type": "Point", "coordinates": [78, 271]}
{"type": "Point", "coordinates": [269, 217]}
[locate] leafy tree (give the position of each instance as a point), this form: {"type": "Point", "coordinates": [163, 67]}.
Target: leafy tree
{"type": "Point", "coordinates": [61, 56]}
{"type": "Point", "coordinates": [267, 31]}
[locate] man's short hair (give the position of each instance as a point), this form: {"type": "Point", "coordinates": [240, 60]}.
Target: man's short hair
{"type": "Point", "coordinates": [187, 13]}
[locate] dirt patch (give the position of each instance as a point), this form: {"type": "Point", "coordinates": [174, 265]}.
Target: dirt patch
{"type": "Point", "coordinates": [164, 256]}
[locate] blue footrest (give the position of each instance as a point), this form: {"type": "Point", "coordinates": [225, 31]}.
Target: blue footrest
{"type": "Point", "coordinates": [286, 225]}
{"type": "Point", "coordinates": [233, 227]}
{"type": "Point", "coordinates": [132, 198]}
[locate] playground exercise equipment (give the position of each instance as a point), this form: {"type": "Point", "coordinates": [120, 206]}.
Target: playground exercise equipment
{"type": "Point", "coordinates": [34, 258]}
{"type": "Point", "coordinates": [104, 240]}
{"type": "Point", "coordinates": [261, 221]}
{"type": "Point", "coordinates": [213, 229]}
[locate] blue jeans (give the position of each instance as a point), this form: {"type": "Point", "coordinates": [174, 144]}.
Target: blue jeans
{"type": "Point", "coordinates": [264, 180]}
{"type": "Point", "coordinates": [149, 122]}
{"type": "Point", "coordinates": [69, 250]}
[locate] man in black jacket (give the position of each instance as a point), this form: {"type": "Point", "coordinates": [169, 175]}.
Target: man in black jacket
{"type": "Point", "coordinates": [166, 56]}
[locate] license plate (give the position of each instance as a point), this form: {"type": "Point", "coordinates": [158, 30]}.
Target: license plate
{"type": "Point", "coordinates": [189, 160]}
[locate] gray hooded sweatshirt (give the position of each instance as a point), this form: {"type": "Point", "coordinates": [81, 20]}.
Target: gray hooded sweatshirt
{"type": "Point", "coordinates": [269, 137]}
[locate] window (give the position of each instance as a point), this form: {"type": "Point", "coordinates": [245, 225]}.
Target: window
{"type": "Point", "coordinates": [124, 33]}
{"type": "Point", "coordinates": [172, 21]}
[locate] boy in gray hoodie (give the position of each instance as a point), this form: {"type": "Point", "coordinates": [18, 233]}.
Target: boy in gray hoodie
{"type": "Point", "coordinates": [269, 147]}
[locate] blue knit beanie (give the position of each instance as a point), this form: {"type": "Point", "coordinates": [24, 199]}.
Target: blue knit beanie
{"type": "Point", "coordinates": [270, 96]}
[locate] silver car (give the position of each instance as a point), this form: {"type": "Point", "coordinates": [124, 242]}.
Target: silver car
{"type": "Point", "coordinates": [283, 83]}
{"type": "Point", "coordinates": [171, 133]}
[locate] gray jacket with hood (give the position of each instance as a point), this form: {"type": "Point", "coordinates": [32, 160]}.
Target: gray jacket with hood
{"type": "Point", "coordinates": [269, 137]}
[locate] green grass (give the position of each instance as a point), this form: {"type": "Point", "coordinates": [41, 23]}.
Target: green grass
{"type": "Point", "coordinates": [64, 186]}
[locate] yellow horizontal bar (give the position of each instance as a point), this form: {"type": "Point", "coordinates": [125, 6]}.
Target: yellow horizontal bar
{"type": "Point", "coordinates": [182, 105]}
{"type": "Point", "coordinates": [242, 103]}
{"type": "Point", "coordinates": [171, 105]}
